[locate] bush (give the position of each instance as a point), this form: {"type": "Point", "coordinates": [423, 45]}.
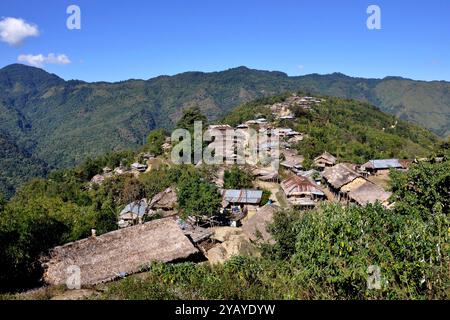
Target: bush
{"type": "Point", "coordinates": [155, 140]}
{"type": "Point", "coordinates": [237, 179]}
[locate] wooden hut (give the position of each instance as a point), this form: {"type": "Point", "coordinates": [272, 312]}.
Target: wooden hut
{"type": "Point", "coordinates": [164, 201]}
{"type": "Point", "coordinates": [325, 160]}
{"type": "Point", "coordinates": [340, 175]}
{"type": "Point", "coordinates": [301, 191]}
{"type": "Point", "coordinates": [381, 165]}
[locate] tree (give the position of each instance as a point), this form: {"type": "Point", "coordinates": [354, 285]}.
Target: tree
{"type": "Point", "coordinates": [132, 190]}
{"type": "Point", "coordinates": [237, 179]}
{"type": "Point", "coordinates": [424, 190]}
{"type": "Point", "coordinates": [265, 196]}
{"type": "Point", "coordinates": [196, 196]}
{"type": "Point", "coordinates": [2, 202]}
{"type": "Point", "coordinates": [330, 250]}
{"type": "Point", "coordinates": [155, 140]}
{"type": "Point", "coordinates": [300, 112]}
{"type": "Point", "coordinates": [188, 118]}
{"type": "Point", "coordinates": [284, 231]}
{"type": "Point", "coordinates": [444, 149]}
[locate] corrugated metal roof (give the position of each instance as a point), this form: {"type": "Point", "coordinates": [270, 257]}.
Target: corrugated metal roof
{"type": "Point", "coordinates": [269, 145]}
{"type": "Point", "coordinates": [385, 163]}
{"type": "Point", "coordinates": [309, 173]}
{"type": "Point", "coordinates": [243, 196]}
{"type": "Point", "coordinates": [299, 185]}
{"type": "Point", "coordinates": [137, 207]}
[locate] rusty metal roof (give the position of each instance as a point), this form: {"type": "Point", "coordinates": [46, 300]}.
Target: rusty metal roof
{"type": "Point", "coordinates": [297, 185]}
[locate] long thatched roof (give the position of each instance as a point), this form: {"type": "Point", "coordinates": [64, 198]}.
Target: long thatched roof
{"type": "Point", "coordinates": [124, 251]}
{"type": "Point", "coordinates": [339, 175]}
{"type": "Point", "coordinates": [164, 200]}
{"type": "Point", "coordinates": [257, 224]}
{"type": "Point", "coordinates": [369, 193]}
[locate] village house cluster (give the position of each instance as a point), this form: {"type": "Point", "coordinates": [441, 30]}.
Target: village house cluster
{"type": "Point", "coordinates": [243, 217]}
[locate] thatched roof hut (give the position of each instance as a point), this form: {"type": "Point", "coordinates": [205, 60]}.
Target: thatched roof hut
{"type": "Point", "coordinates": [257, 224]}
{"type": "Point", "coordinates": [265, 174]}
{"type": "Point", "coordinates": [292, 156]}
{"type": "Point", "coordinates": [124, 251]}
{"type": "Point", "coordinates": [326, 159]}
{"type": "Point", "coordinates": [165, 200]}
{"type": "Point", "coordinates": [368, 193]}
{"type": "Point", "coordinates": [297, 185]}
{"type": "Point", "coordinates": [339, 175]}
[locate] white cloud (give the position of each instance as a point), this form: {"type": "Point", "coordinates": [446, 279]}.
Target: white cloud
{"type": "Point", "coordinates": [13, 30]}
{"type": "Point", "coordinates": [40, 60]}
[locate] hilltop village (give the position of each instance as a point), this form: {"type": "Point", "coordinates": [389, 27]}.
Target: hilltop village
{"type": "Point", "coordinates": [154, 230]}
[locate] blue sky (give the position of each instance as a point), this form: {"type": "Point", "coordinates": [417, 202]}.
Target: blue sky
{"type": "Point", "coordinates": [143, 38]}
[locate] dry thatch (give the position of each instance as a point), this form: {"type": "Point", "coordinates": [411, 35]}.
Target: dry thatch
{"type": "Point", "coordinates": [369, 193]}
{"type": "Point", "coordinates": [265, 174]}
{"type": "Point", "coordinates": [197, 234]}
{"type": "Point", "coordinates": [339, 175]}
{"type": "Point", "coordinates": [292, 156]}
{"type": "Point", "coordinates": [325, 160]}
{"type": "Point", "coordinates": [165, 200]}
{"type": "Point", "coordinates": [105, 257]}
{"type": "Point", "coordinates": [257, 224]}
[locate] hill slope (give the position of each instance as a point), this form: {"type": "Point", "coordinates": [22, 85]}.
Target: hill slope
{"type": "Point", "coordinates": [420, 102]}
{"type": "Point", "coordinates": [17, 166]}
{"type": "Point", "coordinates": [63, 122]}
{"type": "Point", "coordinates": [352, 130]}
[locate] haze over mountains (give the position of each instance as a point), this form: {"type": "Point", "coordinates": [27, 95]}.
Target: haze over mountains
{"type": "Point", "coordinates": [48, 120]}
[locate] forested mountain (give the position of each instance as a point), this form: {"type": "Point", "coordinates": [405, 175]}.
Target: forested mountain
{"type": "Point", "coordinates": [17, 166]}
{"type": "Point", "coordinates": [62, 122]}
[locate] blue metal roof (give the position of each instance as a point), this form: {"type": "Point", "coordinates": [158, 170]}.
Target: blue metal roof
{"type": "Point", "coordinates": [243, 196]}
{"type": "Point", "coordinates": [137, 207]}
{"type": "Point", "coordinates": [385, 163]}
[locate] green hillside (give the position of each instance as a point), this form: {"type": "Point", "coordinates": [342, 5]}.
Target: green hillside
{"type": "Point", "coordinates": [17, 167]}
{"type": "Point", "coordinates": [62, 122]}
{"type": "Point", "coordinates": [352, 130]}
{"type": "Point", "coordinates": [420, 102]}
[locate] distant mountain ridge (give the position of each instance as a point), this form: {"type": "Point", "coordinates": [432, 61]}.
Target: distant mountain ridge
{"type": "Point", "coordinates": [63, 122]}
